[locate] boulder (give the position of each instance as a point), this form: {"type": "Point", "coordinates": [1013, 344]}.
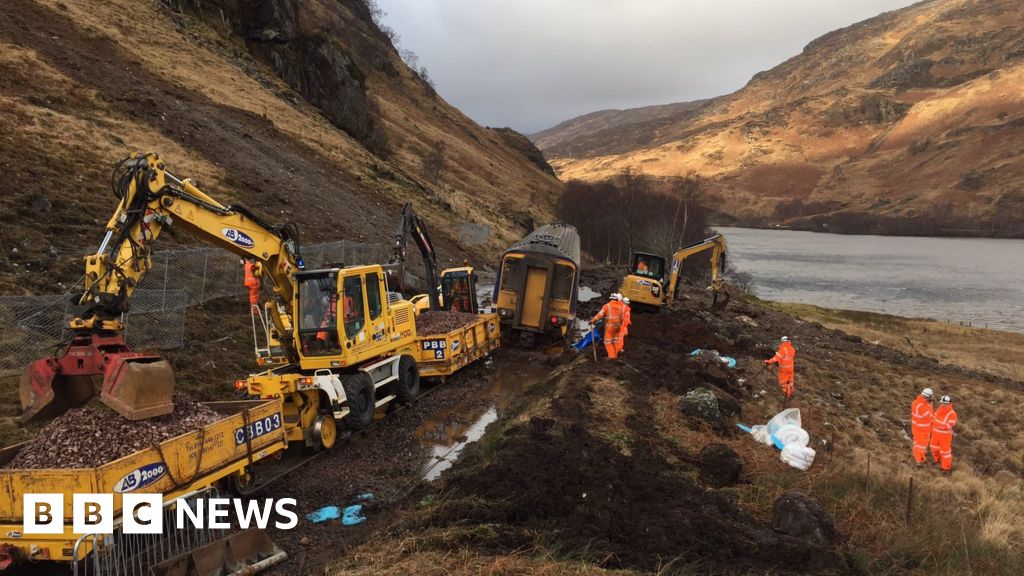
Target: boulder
{"type": "Point", "coordinates": [799, 516]}
{"type": "Point", "coordinates": [702, 404]}
{"type": "Point", "coordinates": [720, 465]}
{"type": "Point", "coordinates": [745, 342]}
{"type": "Point", "coordinates": [728, 405]}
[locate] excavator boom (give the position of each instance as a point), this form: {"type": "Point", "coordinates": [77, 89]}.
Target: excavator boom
{"type": "Point", "coordinates": [411, 225]}
{"type": "Point", "coordinates": [140, 385]}
{"type": "Point", "coordinates": [717, 246]}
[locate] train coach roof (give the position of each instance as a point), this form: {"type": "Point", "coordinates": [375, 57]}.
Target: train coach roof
{"type": "Point", "coordinates": [557, 239]}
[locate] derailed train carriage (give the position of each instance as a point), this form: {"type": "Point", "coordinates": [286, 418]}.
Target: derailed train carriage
{"type": "Point", "coordinates": [538, 282]}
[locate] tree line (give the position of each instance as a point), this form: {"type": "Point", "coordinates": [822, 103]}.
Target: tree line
{"type": "Point", "coordinates": [635, 212]}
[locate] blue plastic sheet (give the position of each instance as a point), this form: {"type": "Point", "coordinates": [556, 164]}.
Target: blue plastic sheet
{"type": "Point", "coordinates": [587, 340]}
{"type": "Point", "coordinates": [353, 515]}
{"type": "Point", "coordinates": [324, 514]}
{"type": "Point", "coordinates": [729, 361]}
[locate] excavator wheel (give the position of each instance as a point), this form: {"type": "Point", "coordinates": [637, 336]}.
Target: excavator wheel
{"type": "Point", "coordinates": [325, 431]}
{"type": "Point", "coordinates": [407, 388]}
{"type": "Point", "coordinates": [359, 394]}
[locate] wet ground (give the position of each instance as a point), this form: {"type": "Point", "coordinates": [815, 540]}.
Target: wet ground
{"type": "Point", "coordinates": [447, 432]}
{"type": "Point", "coordinates": [414, 444]}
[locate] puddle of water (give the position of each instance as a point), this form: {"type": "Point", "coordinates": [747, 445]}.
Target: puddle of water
{"type": "Point", "coordinates": [586, 294]}
{"type": "Point", "coordinates": [442, 456]}
{"type": "Point", "coordinates": [447, 432]}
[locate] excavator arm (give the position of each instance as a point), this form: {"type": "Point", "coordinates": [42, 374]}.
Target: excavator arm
{"type": "Point", "coordinates": [150, 198]}
{"type": "Point", "coordinates": [411, 225]}
{"type": "Point", "coordinates": [717, 246]}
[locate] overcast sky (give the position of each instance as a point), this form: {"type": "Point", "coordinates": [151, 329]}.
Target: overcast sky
{"type": "Point", "coordinates": [531, 64]}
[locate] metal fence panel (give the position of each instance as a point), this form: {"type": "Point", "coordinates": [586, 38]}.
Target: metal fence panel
{"type": "Point", "coordinates": [37, 325]}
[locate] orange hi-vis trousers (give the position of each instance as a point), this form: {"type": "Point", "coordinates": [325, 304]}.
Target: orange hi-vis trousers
{"type": "Point", "coordinates": [621, 343]}
{"type": "Point", "coordinates": [942, 448]}
{"type": "Point", "coordinates": [922, 437]}
{"type": "Point", "coordinates": [611, 339]}
{"type": "Point", "coordinates": [786, 381]}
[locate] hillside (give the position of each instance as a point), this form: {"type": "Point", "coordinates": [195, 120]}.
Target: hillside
{"type": "Point", "coordinates": [301, 110]}
{"type": "Point", "coordinates": [906, 123]}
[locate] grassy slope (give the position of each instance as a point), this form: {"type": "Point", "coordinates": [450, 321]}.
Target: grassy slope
{"type": "Point", "coordinates": [970, 522]}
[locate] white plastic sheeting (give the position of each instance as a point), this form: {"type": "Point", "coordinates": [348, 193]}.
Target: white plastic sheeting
{"type": "Point", "coordinates": [785, 432]}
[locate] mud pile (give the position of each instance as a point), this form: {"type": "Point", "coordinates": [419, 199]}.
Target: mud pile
{"type": "Point", "coordinates": [554, 478]}
{"type": "Point", "coordinates": [95, 435]}
{"type": "Point", "coordinates": [441, 322]}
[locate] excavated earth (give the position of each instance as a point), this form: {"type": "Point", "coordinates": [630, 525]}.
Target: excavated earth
{"type": "Point", "coordinates": [95, 435]}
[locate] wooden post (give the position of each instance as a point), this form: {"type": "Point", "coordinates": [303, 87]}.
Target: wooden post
{"type": "Point", "coordinates": [910, 498]}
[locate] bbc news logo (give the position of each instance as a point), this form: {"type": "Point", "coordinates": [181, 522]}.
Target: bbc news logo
{"type": "Point", "coordinates": [144, 513]}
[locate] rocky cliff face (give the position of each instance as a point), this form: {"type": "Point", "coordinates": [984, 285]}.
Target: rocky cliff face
{"type": "Point", "coordinates": [301, 110]}
{"type": "Point", "coordinates": [904, 123]}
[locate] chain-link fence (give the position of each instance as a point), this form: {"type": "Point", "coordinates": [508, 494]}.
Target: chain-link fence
{"type": "Point", "coordinates": [35, 326]}
{"type": "Point", "coordinates": [472, 234]}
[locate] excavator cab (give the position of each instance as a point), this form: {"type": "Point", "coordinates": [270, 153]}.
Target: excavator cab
{"type": "Point", "coordinates": [645, 281]}
{"type": "Point", "coordinates": [457, 292]}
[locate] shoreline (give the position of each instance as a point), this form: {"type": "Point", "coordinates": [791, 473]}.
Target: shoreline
{"type": "Point", "coordinates": [952, 234]}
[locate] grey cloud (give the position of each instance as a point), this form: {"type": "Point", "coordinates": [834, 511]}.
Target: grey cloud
{"type": "Point", "coordinates": [530, 64]}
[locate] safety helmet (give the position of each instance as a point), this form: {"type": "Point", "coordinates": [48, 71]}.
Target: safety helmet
{"type": "Point", "coordinates": [625, 300]}
{"type": "Point", "coordinates": [614, 296]}
{"type": "Point", "coordinates": [784, 339]}
{"type": "Point", "coordinates": [927, 393]}
{"type": "Point", "coordinates": [945, 400]}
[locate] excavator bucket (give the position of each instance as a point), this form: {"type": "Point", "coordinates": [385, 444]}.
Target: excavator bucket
{"type": "Point", "coordinates": [247, 552]}
{"type": "Point", "coordinates": [135, 385]}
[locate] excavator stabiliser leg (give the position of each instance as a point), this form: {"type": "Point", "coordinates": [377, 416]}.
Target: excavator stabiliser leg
{"type": "Point", "coordinates": [135, 385]}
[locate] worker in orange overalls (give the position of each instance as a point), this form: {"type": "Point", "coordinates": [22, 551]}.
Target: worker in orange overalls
{"type": "Point", "coordinates": [921, 424]}
{"type": "Point", "coordinates": [943, 422]}
{"type": "Point", "coordinates": [785, 357]}
{"type": "Point", "coordinates": [627, 319]}
{"type": "Point", "coordinates": [252, 281]}
{"type": "Point", "coordinates": [330, 317]}
{"type": "Point", "coordinates": [642, 267]}
{"type": "Point", "coordinates": [612, 313]}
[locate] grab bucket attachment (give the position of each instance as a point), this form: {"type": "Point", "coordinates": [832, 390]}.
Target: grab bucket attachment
{"type": "Point", "coordinates": [135, 385]}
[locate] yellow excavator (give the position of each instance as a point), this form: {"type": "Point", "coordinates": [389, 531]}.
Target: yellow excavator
{"type": "Point", "coordinates": [342, 341]}
{"type": "Point", "coordinates": [650, 284]}
{"type": "Point", "coordinates": [456, 289]}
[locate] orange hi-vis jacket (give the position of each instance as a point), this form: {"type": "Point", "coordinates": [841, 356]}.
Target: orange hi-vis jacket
{"type": "Point", "coordinates": [785, 356]}
{"type": "Point", "coordinates": [612, 312]}
{"type": "Point", "coordinates": [944, 420]}
{"type": "Point", "coordinates": [921, 414]}
{"type": "Point", "coordinates": [252, 282]}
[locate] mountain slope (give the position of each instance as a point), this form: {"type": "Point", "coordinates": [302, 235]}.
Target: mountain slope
{"type": "Point", "coordinates": [301, 110]}
{"type": "Point", "coordinates": [908, 123]}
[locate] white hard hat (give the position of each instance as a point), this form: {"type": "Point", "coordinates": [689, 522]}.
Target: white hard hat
{"type": "Point", "coordinates": [945, 400]}
{"type": "Point", "coordinates": [927, 393]}
{"type": "Point", "coordinates": [625, 300]}
{"type": "Point", "coordinates": [784, 339]}
{"type": "Point", "coordinates": [614, 296]}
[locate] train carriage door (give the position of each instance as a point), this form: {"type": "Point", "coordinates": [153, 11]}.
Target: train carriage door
{"type": "Point", "coordinates": [533, 297]}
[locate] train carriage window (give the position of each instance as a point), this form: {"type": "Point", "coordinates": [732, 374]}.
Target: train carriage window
{"type": "Point", "coordinates": [354, 316]}
{"type": "Point", "coordinates": [512, 274]}
{"type": "Point", "coordinates": [561, 288]}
